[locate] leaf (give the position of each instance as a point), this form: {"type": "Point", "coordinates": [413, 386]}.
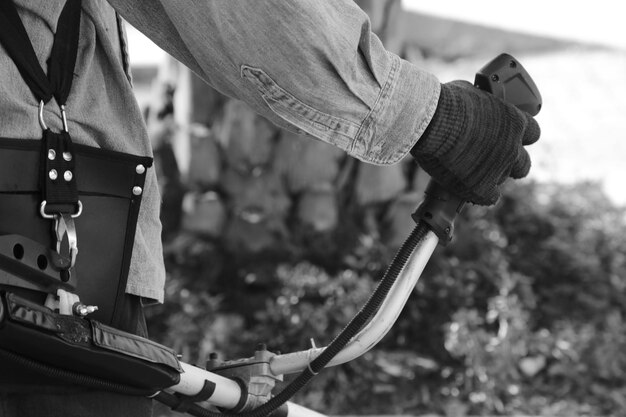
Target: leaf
{"type": "Point", "coordinates": [532, 365]}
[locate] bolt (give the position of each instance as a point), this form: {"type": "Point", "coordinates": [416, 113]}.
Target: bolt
{"type": "Point", "coordinates": [83, 310]}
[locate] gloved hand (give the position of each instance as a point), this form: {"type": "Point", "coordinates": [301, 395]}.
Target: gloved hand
{"type": "Point", "coordinates": [474, 142]}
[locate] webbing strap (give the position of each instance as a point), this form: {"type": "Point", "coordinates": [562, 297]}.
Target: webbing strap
{"type": "Point", "coordinates": [58, 162]}
{"type": "Point", "coordinates": [64, 51]}
{"type": "Point", "coordinates": [15, 40]}
{"type": "Point", "coordinates": [59, 193]}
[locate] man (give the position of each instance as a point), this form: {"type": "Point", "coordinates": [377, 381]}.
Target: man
{"type": "Point", "coordinates": [308, 65]}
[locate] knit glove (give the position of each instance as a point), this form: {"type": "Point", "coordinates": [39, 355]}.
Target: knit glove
{"type": "Point", "coordinates": [474, 142]}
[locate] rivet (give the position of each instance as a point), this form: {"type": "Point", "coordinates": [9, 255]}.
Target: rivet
{"type": "Point", "coordinates": [137, 190]}
{"type": "Point", "coordinates": [67, 156]}
{"type": "Point", "coordinates": [52, 154]}
{"type": "Point", "coordinates": [67, 176]}
{"type": "Point", "coordinates": [140, 169]}
{"type": "Point", "coordinates": [53, 175]}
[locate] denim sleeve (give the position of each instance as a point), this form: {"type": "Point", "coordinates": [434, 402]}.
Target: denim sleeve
{"type": "Point", "coordinates": [313, 66]}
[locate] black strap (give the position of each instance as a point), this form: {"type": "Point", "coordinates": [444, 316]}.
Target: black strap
{"type": "Point", "coordinates": [58, 162]}
{"type": "Point", "coordinates": [58, 180]}
{"type": "Point", "coordinates": [64, 51]}
{"type": "Point", "coordinates": [184, 402]}
{"type": "Point", "coordinates": [15, 40]}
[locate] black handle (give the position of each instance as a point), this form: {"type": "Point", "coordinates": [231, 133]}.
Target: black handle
{"type": "Point", "coordinates": [507, 79]}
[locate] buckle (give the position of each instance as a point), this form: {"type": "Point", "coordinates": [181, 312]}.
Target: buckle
{"type": "Point", "coordinates": [42, 210]}
{"type": "Point", "coordinates": [42, 122]}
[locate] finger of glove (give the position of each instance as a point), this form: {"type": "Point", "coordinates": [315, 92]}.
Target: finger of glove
{"type": "Point", "coordinates": [521, 167]}
{"type": "Point", "coordinates": [532, 131]}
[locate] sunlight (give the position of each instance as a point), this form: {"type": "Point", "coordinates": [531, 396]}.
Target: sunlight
{"type": "Point", "coordinates": [600, 21]}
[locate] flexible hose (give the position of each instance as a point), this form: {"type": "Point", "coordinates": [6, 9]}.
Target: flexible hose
{"type": "Point", "coordinates": [339, 342]}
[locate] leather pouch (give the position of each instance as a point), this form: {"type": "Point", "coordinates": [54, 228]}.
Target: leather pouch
{"type": "Point", "coordinates": [110, 186]}
{"type": "Point", "coordinates": [84, 346]}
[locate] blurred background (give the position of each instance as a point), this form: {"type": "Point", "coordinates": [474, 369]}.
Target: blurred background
{"type": "Point", "coordinates": [277, 239]}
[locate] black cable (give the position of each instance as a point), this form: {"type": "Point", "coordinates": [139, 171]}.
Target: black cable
{"type": "Point", "coordinates": [275, 403]}
{"type": "Point", "coordinates": [339, 342]}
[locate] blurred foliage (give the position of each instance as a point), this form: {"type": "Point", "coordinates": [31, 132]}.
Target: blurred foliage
{"type": "Point", "coordinates": [524, 313]}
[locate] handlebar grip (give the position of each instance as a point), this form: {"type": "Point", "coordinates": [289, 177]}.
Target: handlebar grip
{"type": "Point", "coordinates": [508, 80]}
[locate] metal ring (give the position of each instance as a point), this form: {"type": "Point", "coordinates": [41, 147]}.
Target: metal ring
{"type": "Point", "coordinates": [42, 122]}
{"type": "Point", "coordinates": [79, 211]}
{"type": "Point", "coordinates": [64, 118]}
{"type": "Point", "coordinates": [42, 210]}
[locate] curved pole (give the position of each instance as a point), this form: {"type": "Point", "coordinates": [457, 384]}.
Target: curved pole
{"type": "Point", "coordinates": [228, 393]}
{"type": "Point", "coordinates": [377, 327]}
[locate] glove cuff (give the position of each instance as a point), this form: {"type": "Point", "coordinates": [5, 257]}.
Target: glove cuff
{"type": "Point", "coordinates": [447, 122]}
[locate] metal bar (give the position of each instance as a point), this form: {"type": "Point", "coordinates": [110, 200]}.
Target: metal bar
{"type": "Point", "coordinates": [227, 392]}
{"type": "Point", "coordinates": [378, 326]}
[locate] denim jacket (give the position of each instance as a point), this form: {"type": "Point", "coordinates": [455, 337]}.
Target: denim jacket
{"type": "Point", "coordinates": [312, 66]}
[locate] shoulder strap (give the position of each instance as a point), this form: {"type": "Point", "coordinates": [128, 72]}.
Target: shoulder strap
{"type": "Point", "coordinates": [14, 38]}
{"type": "Point", "coordinates": [64, 51]}
{"type": "Point", "coordinates": [57, 163]}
